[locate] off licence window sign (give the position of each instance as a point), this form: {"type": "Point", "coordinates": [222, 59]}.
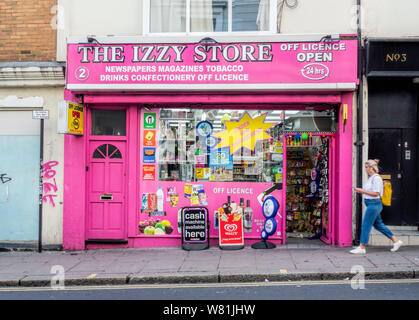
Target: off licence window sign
{"type": "Point", "coordinates": [194, 225]}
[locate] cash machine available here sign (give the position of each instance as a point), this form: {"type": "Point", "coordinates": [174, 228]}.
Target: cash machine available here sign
{"type": "Point", "coordinates": [214, 66]}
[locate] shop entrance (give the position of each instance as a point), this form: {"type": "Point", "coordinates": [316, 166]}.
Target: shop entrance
{"type": "Point", "coordinates": [106, 205]}
{"type": "Point", "coordinates": [106, 177]}
{"type": "Point", "coordinates": [308, 186]}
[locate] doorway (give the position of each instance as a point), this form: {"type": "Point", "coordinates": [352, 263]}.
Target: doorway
{"type": "Point", "coordinates": [106, 176]}
{"type": "Point", "coordinates": [396, 150]}
{"type": "Point", "coordinates": [393, 139]}
{"type": "Point", "coordinates": [309, 186]}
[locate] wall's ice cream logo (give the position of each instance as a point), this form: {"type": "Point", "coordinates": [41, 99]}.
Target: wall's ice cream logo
{"type": "Point", "coordinates": [230, 227]}
{"type": "Point", "coordinates": [243, 133]}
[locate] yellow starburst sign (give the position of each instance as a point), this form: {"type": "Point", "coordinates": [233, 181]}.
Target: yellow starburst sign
{"type": "Point", "coordinates": [243, 133]}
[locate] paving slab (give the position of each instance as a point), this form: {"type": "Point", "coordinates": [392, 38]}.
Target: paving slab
{"type": "Point", "coordinates": [174, 265]}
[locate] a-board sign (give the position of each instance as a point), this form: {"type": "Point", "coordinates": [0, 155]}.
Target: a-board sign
{"type": "Point", "coordinates": [231, 231]}
{"type": "Point", "coordinates": [195, 228]}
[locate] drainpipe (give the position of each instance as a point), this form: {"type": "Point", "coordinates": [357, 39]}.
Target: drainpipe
{"type": "Point", "coordinates": [359, 144]}
{"type": "Point", "coordinates": [41, 161]}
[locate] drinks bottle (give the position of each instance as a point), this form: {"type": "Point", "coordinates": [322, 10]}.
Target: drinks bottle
{"type": "Point", "coordinates": [160, 199]}
{"type": "Point", "coordinates": [248, 217]}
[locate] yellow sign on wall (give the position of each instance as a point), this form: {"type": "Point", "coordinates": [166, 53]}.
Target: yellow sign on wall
{"type": "Point", "coordinates": [75, 118]}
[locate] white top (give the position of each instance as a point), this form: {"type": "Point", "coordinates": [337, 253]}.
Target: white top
{"type": "Point", "coordinates": [374, 184]}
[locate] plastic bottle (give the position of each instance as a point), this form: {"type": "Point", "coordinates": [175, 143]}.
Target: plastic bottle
{"type": "Point", "coordinates": [160, 199]}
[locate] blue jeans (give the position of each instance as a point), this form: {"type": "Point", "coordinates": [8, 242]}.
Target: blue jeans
{"type": "Point", "coordinates": [372, 218]}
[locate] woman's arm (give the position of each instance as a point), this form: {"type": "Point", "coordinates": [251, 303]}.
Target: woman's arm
{"type": "Point", "coordinates": [370, 193]}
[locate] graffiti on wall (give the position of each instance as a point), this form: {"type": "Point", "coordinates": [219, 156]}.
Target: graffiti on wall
{"type": "Point", "coordinates": [4, 179]}
{"type": "Point", "coordinates": [49, 185]}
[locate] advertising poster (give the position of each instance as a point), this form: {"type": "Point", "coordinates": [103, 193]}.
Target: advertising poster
{"type": "Point", "coordinates": [231, 228]}
{"type": "Point", "coordinates": [149, 172]}
{"type": "Point", "coordinates": [149, 121]}
{"type": "Point", "coordinates": [195, 226]}
{"type": "Point", "coordinates": [149, 139]}
{"type": "Point", "coordinates": [149, 155]}
{"type": "Point", "coordinates": [221, 158]}
{"type": "Point", "coordinates": [75, 118]}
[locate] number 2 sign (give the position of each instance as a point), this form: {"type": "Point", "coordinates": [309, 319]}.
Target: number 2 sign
{"type": "Point", "coordinates": [82, 73]}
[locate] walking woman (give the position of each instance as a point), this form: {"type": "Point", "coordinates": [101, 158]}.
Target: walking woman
{"type": "Point", "coordinates": [372, 192]}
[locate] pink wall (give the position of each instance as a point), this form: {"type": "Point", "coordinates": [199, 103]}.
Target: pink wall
{"type": "Point", "coordinates": [75, 163]}
{"type": "Point", "coordinates": [74, 188]}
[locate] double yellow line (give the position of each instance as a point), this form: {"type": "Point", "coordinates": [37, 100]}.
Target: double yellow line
{"type": "Point", "coordinates": [208, 285]}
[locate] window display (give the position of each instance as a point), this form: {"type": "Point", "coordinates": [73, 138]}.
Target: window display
{"type": "Point", "coordinates": [220, 145]}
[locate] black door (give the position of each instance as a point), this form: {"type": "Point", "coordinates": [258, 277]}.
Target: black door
{"type": "Point", "coordinates": [386, 145]}
{"type": "Point", "coordinates": [393, 138]}
{"type": "Point", "coordinates": [396, 149]}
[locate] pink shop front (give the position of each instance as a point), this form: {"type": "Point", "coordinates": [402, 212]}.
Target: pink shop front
{"type": "Point", "coordinates": [169, 126]}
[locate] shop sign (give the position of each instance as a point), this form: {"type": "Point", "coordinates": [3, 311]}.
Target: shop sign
{"type": "Point", "coordinates": [149, 173]}
{"type": "Point", "coordinates": [221, 66]}
{"type": "Point", "coordinates": [149, 121]}
{"type": "Point", "coordinates": [243, 133]}
{"type": "Point", "coordinates": [149, 138]}
{"type": "Point", "coordinates": [231, 230]}
{"type": "Point", "coordinates": [392, 58]}
{"type": "Point", "coordinates": [40, 114]}
{"type": "Point", "coordinates": [70, 118]}
{"type": "Point", "coordinates": [195, 228]}
{"type": "Point", "coordinates": [221, 158]}
{"type": "Point", "coordinates": [149, 155]}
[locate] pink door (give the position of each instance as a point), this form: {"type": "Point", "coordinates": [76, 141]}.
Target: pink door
{"type": "Point", "coordinates": [106, 190]}
{"type": "Point", "coordinates": [328, 211]}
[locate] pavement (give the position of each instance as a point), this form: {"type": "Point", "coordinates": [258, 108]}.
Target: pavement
{"type": "Point", "coordinates": [292, 262]}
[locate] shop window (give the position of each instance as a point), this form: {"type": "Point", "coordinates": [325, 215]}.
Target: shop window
{"type": "Point", "coordinates": [230, 145]}
{"type": "Point", "coordinates": [100, 152]}
{"type": "Point", "coordinates": [108, 122]}
{"type": "Point", "coordinates": [310, 120]}
{"type": "Point", "coordinates": [196, 145]}
{"type": "Point", "coordinates": [184, 16]}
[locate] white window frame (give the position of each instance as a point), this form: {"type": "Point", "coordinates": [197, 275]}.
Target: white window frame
{"type": "Point", "coordinates": [273, 10]}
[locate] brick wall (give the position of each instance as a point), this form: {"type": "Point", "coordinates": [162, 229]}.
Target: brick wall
{"type": "Point", "coordinates": [25, 30]}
